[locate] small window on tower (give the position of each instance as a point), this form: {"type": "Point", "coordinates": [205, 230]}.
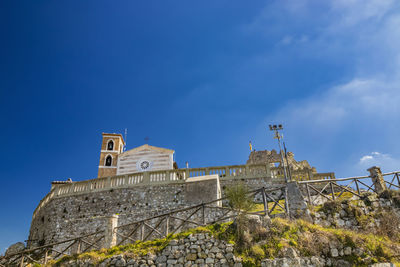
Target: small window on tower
{"type": "Point", "coordinates": [110, 145]}
{"type": "Point", "coordinates": [108, 160]}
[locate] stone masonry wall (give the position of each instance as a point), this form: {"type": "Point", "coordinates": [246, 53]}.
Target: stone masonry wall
{"type": "Point", "coordinates": [254, 184]}
{"type": "Point", "coordinates": [204, 250]}
{"type": "Point", "coordinates": [195, 250]}
{"type": "Point", "coordinates": [67, 217]}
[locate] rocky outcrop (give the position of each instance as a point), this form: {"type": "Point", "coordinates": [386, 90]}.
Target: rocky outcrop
{"type": "Point", "coordinates": [15, 248]}
{"type": "Point", "coordinates": [271, 157]}
{"type": "Point", "coordinates": [358, 214]}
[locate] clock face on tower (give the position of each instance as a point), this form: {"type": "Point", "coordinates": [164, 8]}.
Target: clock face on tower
{"type": "Point", "coordinates": [144, 165]}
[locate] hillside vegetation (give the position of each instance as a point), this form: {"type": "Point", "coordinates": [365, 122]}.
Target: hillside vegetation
{"type": "Point", "coordinates": [257, 240]}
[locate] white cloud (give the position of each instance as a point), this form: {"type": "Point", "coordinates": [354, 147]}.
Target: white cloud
{"type": "Point", "coordinates": [385, 161]}
{"type": "Point", "coordinates": [366, 158]}
{"type": "Point", "coordinates": [355, 102]}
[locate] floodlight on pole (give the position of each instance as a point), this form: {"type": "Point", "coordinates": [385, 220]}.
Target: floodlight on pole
{"type": "Point", "coordinates": [276, 129]}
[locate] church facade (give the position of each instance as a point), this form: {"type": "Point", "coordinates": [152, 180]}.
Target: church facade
{"type": "Point", "coordinates": [115, 161]}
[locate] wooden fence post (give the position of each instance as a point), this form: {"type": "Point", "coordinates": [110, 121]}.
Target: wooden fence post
{"type": "Point", "coordinates": [142, 232]}
{"type": "Point", "coordinates": [21, 263]}
{"type": "Point", "coordinates": [308, 194]}
{"type": "Point", "coordinates": [45, 256]}
{"type": "Point", "coordinates": [265, 202]}
{"type": "Point", "coordinates": [78, 246]}
{"type": "Point", "coordinates": [167, 226]}
{"type": "Point", "coordinates": [332, 191]}
{"type": "Point", "coordinates": [357, 186]}
{"type": "Point", "coordinates": [203, 214]}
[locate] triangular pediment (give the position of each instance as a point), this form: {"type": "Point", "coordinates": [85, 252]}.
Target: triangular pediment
{"type": "Point", "coordinates": [148, 148]}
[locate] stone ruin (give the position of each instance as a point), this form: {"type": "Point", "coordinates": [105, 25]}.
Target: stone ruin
{"type": "Point", "coordinates": [274, 159]}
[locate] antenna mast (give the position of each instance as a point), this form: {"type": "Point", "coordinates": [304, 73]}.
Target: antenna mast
{"type": "Point", "coordinates": [126, 134]}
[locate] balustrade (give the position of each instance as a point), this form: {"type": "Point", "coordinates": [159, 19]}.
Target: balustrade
{"type": "Point", "coordinates": [174, 176]}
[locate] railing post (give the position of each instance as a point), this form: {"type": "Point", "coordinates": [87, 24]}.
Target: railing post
{"type": "Point", "coordinates": [108, 182]}
{"type": "Point", "coordinates": [110, 236]}
{"type": "Point", "coordinates": [265, 202]}
{"type": "Point", "coordinates": [167, 226]}
{"type": "Point", "coordinates": [287, 208]}
{"type": "Point", "coordinates": [203, 214]}
{"type": "Point", "coordinates": [187, 174]}
{"type": "Point", "coordinates": [126, 179]}
{"type": "Point", "coordinates": [45, 256]}
{"type": "Point", "coordinates": [71, 188]}
{"type": "Point", "coordinates": [57, 191]}
{"type": "Point", "coordinates": [21, 263]}
{"type": "Point", "coordinates": [227, 173]}
{"type": "Point", "coordinates": [146, 177]}
{"type": "Point", "coordinates": [358, 188]}
{"type": "Point", "coordinates": [377, 179]}
{"type": "Point", "coordinates": [332, 190]}
{"type": "Point", "coordinates": [308, 194]}
{"type": "Point", "coordinates": [142, 231]}
{"type": "Point", "coordinates": [78, 247]}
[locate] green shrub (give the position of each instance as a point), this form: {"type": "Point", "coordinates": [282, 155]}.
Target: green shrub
{"type": "Point", "coordinates": [257, 252]}
{"type": "Point", "coordinates": [240, 201]}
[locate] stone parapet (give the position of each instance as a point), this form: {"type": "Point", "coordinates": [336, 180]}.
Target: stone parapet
{"type": "Point", "coordinates": [377, 179]}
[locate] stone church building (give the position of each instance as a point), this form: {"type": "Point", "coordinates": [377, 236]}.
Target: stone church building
{"type": "Point", "coordinates": [115, 161]}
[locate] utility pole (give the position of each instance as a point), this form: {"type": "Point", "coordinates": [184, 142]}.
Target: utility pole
{"type": "Point", "coordinates": [277, 135]}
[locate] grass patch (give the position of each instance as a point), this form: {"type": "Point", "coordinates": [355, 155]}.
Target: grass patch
{"type": "Point", "coordinates": [277, 209]}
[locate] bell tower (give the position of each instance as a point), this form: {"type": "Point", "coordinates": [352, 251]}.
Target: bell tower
{"type": "Point", "coordinates": [111, 146]}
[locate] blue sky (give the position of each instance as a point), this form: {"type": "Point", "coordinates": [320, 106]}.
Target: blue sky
{"type": "Point", "coordinates": [200, 77]}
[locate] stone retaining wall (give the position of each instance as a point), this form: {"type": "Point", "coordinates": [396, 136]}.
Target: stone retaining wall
{"type": "Point", "coordinates": [204, 250]}
{"type": "Point", "coordinates": [195, 250]}
{"type": "Point", "coordinates": [67, 217]}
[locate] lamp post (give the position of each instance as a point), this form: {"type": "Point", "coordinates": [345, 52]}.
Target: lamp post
{"type": "Point", "coordinates": [276, 129]}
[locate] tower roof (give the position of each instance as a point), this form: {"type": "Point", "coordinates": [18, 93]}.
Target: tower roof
{"type": "Point", "coordinates": [114, 135]}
